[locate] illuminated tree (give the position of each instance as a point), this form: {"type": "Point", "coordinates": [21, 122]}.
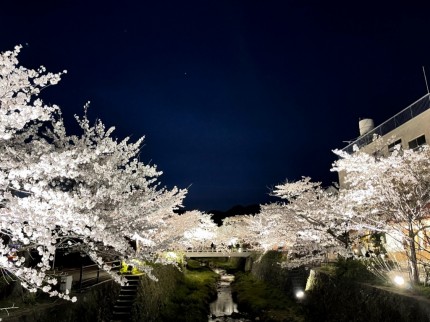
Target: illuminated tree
{"type": "Point", "coordinates": [192, 229]}
{"type": "Point", "coordinates": [89, 190]}
{"type": "Point", "coordinates": [22, 114]}
{"type": "Point", "coordinates": [321, 208]}
{"type": "Point", "coordinates": [308, 225]}
{"type": "Point", "coordinates": [234, 230]}
{"type": "Point", "coordinates": [392, 195]}
{"type": "Point", "coordinates": [115, 196]}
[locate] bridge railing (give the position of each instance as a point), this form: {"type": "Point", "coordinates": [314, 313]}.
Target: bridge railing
{"type": "Point", "coordinates": [216, 250]}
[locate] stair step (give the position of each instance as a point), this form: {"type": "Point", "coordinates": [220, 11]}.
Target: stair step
{"type": "Point", "coordinates": [121, 317]}
{"type": "Point", "coordinates": [120, 313]}
{"type": "Point", "coordinates": [128, 288]}
{"type": "Point", "coordinates": [130, 300]}
{"type": "Point", "coordinates": [126, 298]}
{"type": "Point", "coordinates": [132, 283]}
{"type": "Point", "coordinates": [122, 309]}
{"type": "Point", "coordinates": [132, 277]}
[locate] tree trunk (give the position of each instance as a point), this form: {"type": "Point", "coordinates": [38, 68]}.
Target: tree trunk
{"type": "Point", "coordinates": [412, 258]}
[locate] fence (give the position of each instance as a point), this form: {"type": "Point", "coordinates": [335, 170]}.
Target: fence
{"type": "Point", "coordinates": [400, 118]}
{"type": "Point", "coordinates": [88, 275]}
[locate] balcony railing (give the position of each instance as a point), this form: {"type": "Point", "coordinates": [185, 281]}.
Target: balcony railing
{"type": "Point", "coordinates": [400, 118]}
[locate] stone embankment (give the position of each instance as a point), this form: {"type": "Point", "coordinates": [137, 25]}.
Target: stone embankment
{"type": "Point", "coordinates": [329, 298]}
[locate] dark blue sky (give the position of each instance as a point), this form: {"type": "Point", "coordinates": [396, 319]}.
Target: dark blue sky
{"type": "Point", "coordinates": [232, 96]}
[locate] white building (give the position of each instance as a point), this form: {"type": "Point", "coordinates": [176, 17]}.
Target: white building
{"type": "Point", "coordinates": [410, 128]}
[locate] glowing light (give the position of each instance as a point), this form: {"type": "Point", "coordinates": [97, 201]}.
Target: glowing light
{"type": "Point", "coordinates": [171, 255]}
{"type": "Point", "coordinates": [398, 280]}
{"type": "Point", "coordinates": [300, 294]}
{"type": "Point", "coordinates": [233, 241]}
{"type": "Point", "coordinates": [198, 234]}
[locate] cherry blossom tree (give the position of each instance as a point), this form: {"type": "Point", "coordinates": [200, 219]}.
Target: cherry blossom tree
{"type": "Point", "coordinates": [123, 191]}
{"type": "Point", "coordinates": [321, 208]}
{"type": "Point", "coordinates": [234, 230]}
{"type": "Point", "coordinates": [392, 195]}
{"type": "Point", "coordinates": [22, 114]}
{"type": "Point", "coordinates": [192, 229]}
{"type": "Point", "coordinates": [310, 224]}
{"type": "Point", "coordinates": [19, 91]}
{"type": "Point", "coordinates": [90, 188]}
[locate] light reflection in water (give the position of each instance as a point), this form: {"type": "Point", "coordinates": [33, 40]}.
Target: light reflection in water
{"type": "Point", "coordinates": [223, 306]}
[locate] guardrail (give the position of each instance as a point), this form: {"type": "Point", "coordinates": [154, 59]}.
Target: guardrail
{"type": "Point", "coordinates": [216, 250]}
{"type": "Point", "coordinates": [216, 253]}
{"type": "Point", "coordinates": [392, 123]}
{"type": "Point", "coordinates": [88, 275]}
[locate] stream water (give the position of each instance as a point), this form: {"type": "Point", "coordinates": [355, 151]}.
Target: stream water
{"type": "Point", "coordinates": [223, 309]}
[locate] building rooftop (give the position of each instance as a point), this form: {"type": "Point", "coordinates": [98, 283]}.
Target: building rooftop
{"type": "Point", "coordinates": [400, 118]}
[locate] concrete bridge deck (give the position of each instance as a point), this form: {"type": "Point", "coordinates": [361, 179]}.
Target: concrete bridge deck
{"type": "Point", "coordinates": [214, 253]}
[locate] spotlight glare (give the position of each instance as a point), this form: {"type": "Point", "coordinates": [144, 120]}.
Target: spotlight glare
{"type": "Point", "coordinates": [300, 294]}
{"type": "Point", "coordinates": [399, 280]}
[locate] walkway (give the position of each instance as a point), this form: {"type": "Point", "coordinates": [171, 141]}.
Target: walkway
{"type": "Point", "coordinates": [215, 253]}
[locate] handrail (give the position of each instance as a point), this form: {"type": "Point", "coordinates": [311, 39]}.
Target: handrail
{"type": "Point", "coordinates": [411, 111]}
{"type": "Point", "coordinates": [215, 250]}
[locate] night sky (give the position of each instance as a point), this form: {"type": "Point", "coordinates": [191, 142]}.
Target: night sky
{"type": "Point", "coordinates": [233, 96]}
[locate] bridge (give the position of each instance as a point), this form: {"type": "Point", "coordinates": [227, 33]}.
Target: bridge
{"type": "Point", "coordinates": [215, 253]}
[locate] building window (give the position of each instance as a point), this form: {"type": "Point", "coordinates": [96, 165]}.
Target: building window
{"type": "Point", "coordinates": [416, 143]}
{"type": "Point", "coordinates": [392, 145]}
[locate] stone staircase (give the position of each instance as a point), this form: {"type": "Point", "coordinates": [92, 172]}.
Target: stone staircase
{"type": "Point", "coordinates": [127, 296]}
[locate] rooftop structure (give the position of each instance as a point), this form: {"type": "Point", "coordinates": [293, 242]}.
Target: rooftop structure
{"type": "Point", "coordinates": [397, 126]}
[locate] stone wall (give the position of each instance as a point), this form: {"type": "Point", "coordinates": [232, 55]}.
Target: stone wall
{"type": "Point", "coordinates": [267, 268]}
{"type": "Point", "coordinates": [331, 299]}
{"type": "Point", "coordinates": [339, 299]}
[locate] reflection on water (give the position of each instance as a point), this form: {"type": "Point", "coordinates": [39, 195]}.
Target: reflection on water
{"type": "Point", "coordinates": [224, 304]}
{"type": "Point", "coordinates": [223, 307]}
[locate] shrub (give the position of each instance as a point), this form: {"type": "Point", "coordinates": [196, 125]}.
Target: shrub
{"type": "Point", "coordinates": [354, 270]}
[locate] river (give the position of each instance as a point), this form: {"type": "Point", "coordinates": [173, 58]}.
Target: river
{"type": "Point", "coordinates": [223, 309]}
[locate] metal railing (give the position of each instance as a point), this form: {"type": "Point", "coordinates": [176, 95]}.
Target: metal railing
{"type": "Point", "coordinates": [216, 250]}
{"type": "Point", "coordinates": [88, 275]}
{"type": "Point", "coordinates": [392, 123]}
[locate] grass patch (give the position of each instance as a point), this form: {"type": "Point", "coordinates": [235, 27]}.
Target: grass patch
{"type": "Point", "coordinates": [230, 265]}
{"type": "Point", "coordinates": [355, 270]}
{"type": "Point", "coordinates": [329, 269]}
{"type": "Point", "coordinates": [192, 296]}
{"type": "Point", "coordinates": [261, 300]}
{"type": "Point", "coordinates": [422, 290]}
